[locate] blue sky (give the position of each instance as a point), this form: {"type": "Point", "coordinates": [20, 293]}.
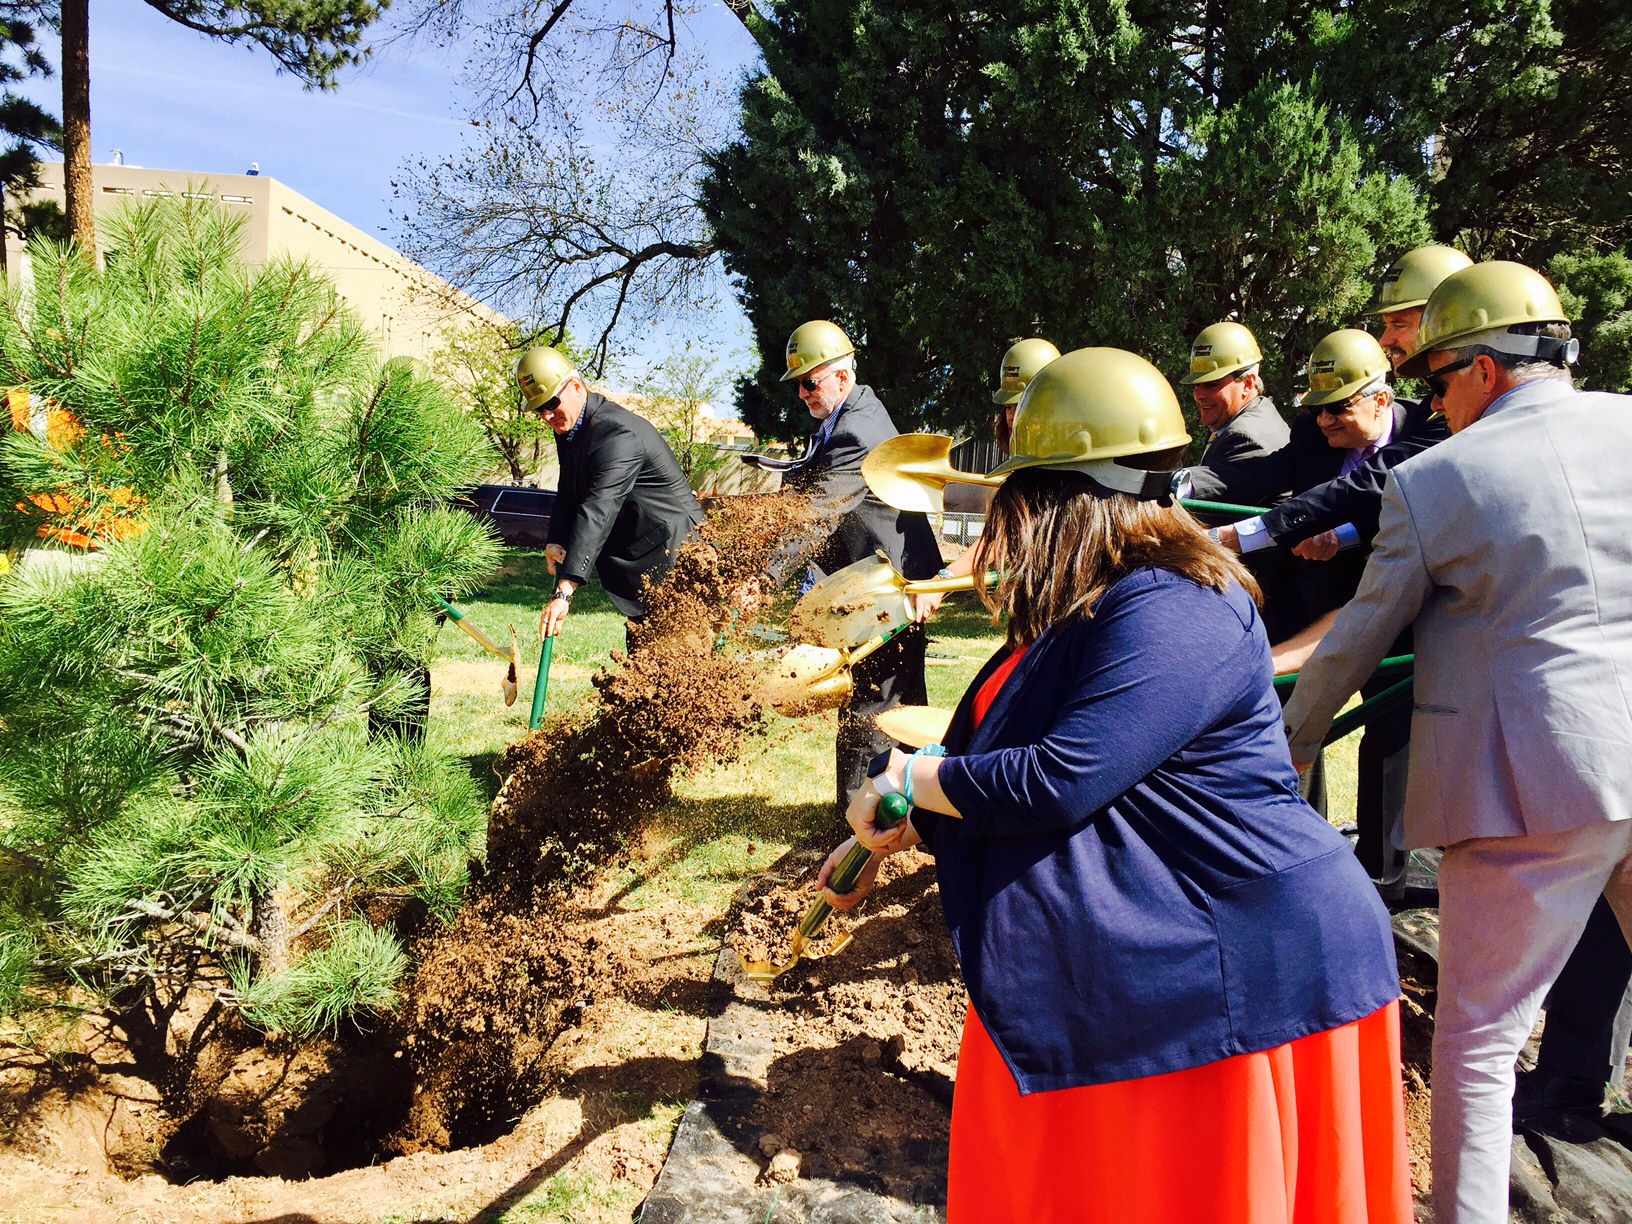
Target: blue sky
{"type": "Point", "coordinates": [171, 99]}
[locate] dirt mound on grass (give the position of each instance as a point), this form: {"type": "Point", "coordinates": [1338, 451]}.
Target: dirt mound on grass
{"type": "Point", "coordinates": [496, 988]}
{"type": "Point", "coordinates": [867, 1047]}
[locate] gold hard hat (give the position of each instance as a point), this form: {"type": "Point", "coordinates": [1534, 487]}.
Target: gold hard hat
{"type": "Point", "coordinates": [815, 344]}
{"type": "Point", "coordinates": [1093, 405]}
{"type": "Point", "coordinates": [1342, 364]}
{"type": "Point", "coordinates": [1019, 366]}
{"type": "Point", "coordinates": [1414, 276]}
{"type": "Point", "coordinates": [541, 373]}
{"type": "Point", "coordinates": [1219, 351]}
{"type": "Point", "coordinates": [1481, 298]}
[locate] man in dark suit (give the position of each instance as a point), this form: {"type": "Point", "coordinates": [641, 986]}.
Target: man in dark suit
{"type": "Point", "coordinates": [851, 421]}
{"type": "Point", "coordinates": [1351, 417]}
{"type": "Point", "coordinates": [1241, 421]}
{"type": "Point", "coordinates": [622, 503]}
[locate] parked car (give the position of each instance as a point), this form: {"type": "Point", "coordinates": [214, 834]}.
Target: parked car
{"type": "Point", "coordinates": [520, 515]}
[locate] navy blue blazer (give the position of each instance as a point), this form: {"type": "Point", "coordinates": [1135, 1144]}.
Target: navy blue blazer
{"type": "Point", "coordinates": [1135, 886]}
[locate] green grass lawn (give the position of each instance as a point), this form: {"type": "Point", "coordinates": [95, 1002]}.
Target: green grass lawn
{"type": "Point", "coordinates": [782, 786]}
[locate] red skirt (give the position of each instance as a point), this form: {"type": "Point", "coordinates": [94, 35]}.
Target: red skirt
{"type": "Point", "coordinates": [1311, 1132]}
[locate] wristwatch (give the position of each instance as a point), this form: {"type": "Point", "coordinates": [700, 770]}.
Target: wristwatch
{"type": "Point", "coordinates": [876, 773]}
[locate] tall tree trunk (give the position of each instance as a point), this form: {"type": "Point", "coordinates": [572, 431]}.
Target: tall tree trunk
{"type": "Point", "coordinates": [76, 123]}
{"type": "Point", "coordinates": [3, 232]}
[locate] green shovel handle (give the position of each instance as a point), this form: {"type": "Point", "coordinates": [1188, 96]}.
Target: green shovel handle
{"type": "Point", "coordinates": [892, 810]}
{"type": "Point", "coordinates": [541, 686]}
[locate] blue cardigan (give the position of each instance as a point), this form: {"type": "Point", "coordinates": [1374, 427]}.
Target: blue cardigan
{"type": "Point", "coordinates": [1135, 886]}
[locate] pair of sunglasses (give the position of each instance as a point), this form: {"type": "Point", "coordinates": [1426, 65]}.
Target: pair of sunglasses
{"type": "Point", "coordinates": [1436, 380]}
{"type": "Point", "coordinates": [810, 384]}
{"type": "Point", "coordinates": [550, 405]}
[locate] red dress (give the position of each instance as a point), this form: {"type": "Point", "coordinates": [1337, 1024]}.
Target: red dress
{"type": "Point", "coordinates": [1310, 1132]}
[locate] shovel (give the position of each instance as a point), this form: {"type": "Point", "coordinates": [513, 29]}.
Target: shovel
{"type": "Point", "coordinates": [892, 810]}
{"type": "Point", "coordinates": [804, 679]}
{"type": "Point", "coordinates": [911, 472]}
{"type": "Point", "coordinates": [914, 725]}
{"type": "Point", "coordinates": [541, 686]}
{"type": "Point", "coordinates": [861, 602]}
{"type": "Point", "coordinates": [511, 656]}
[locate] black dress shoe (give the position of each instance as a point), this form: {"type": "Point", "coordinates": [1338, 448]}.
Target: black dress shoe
{"type": "Point", "coordinates": [1542, 1094]}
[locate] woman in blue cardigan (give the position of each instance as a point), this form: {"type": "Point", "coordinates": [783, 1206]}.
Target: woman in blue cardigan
{"type": "Point", "coordinates": [1183, 996]}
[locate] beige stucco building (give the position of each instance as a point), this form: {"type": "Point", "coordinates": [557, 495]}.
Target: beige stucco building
{"type": "Point", "coordinates": [406, 306]}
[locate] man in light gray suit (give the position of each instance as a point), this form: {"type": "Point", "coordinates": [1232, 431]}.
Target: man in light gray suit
{"type": "Point", "coordinates": [1507, 545]}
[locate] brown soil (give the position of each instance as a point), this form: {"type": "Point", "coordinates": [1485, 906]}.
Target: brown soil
{"type": "Point", "coordinates": [89, 1140]}
{"type": "Point", "coordinates": [496, 989]}
{"type": "Point", "coordinates": [861, 1082]}
{"type": "Point", "coordinates": [539, 951]}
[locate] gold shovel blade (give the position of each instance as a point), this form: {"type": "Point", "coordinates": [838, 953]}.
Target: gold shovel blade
{"type": "Point", "coordinates": [862, 602]}
{"type": "Point", "coordinates": [852, 605]}
{"type": "Point", "coordinates": [915, 725]}
{"type": "Point", "coordinates": [911, 472]}
{"type": "Point", "coordinates": [510, 686]}
{"type": "Point", "coordinates": [804, 678]}
{"type": "Point", "coordinates": [768, 971]}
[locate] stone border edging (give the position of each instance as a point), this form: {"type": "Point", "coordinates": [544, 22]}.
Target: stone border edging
{"type": "Point", "coordinates": [711, 1174]}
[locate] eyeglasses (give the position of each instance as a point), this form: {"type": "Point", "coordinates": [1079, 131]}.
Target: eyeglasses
{"type": "Point", "coordinates": [1436, 378]}
{"type": "Point", "coordinates": [810, 384]}
{"type": "Point", "coordinates": [1346, 408]}
{"type": "Point", "coordinates": [549, 405]}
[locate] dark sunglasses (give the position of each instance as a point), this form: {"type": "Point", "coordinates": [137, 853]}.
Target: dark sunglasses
{"type": "Point", "coordinates": [1436, 379]}
{"type": "Point", "coordinates": [810, 384]}
{"type": "Point", "coordinates": [1342, 409]}
{"type": "Point", "coordinates": [549, 405]}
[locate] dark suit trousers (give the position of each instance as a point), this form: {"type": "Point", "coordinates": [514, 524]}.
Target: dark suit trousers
{"type": "Point", "coordinates": [892, 675]}
{"type": "Point", "coordinates": [1586, 1030]}
{"type": "Point", "coordinates": [1380, 794]}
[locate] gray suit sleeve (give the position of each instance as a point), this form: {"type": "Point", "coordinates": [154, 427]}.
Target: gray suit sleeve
{"type": "Point", "coordinates": [1392, 591]}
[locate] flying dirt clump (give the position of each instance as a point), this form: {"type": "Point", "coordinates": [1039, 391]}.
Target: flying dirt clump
{"type": "Point", "coordinates": [496, 988]}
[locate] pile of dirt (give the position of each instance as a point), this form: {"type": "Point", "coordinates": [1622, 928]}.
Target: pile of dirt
{"type": "Point", "coordinates": [495, 989]}
{"type": "Point", "coordinates": [866, 1053]}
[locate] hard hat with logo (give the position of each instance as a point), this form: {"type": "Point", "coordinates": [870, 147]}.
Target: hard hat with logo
{"type": "Point", "coordinates": [1413, 277]}
{"type": "Point", "coordinates": [1219, 351]}
{"type": "Point", "coordinates": [541, 373]}
{"type": "Point", "coordinates": [815, 344]}
{"type": "Point", "coordinates": [1343, 363]}
{"type": "Point", "coordinates": [1019, 366]}
{"type": "Point", "coordinates": [1478, 304]}
{"type": "Point", "coordinates": [1092, 407]}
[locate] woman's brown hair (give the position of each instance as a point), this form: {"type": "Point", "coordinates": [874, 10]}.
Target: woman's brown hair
{"type": "Point", "coordinates": [1059, 542]}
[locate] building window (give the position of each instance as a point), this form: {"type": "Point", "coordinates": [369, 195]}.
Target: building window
{"type": "Point", "coordinates": [238, 199]}
{"type": "Point", "coordinates": [119, 190]}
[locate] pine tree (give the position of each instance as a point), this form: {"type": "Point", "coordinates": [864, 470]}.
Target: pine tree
{"type": "Point", "coordinates": [943, 182]}
{"type": "Point", "coordinates": [191, 795]}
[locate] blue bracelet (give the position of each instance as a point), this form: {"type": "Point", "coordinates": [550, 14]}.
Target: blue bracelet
{"type": "Point", "coordinates": [929, 750]}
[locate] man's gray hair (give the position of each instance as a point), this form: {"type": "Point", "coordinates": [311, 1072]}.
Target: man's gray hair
{"type": "Point", "coordinates": [847, 362]}
{"type": "Point", "coordinates": [1518, 350]}
{"type": "Point", "coordinates": [1380, 383]}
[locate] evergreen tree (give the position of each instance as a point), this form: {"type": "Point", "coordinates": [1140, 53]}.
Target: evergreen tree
{"type": "Point", "coordinates": [191, 793]}
{"type": "Point", "coordinates": [24, 130]}
{"type": "Point", "coordinates": [943, 182]}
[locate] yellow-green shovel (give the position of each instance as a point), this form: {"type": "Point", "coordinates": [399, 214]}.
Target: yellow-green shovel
{"type": "Point", "coordinates": [892, 810]}
{"type": "Point", "coordinates": [511, 656]}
